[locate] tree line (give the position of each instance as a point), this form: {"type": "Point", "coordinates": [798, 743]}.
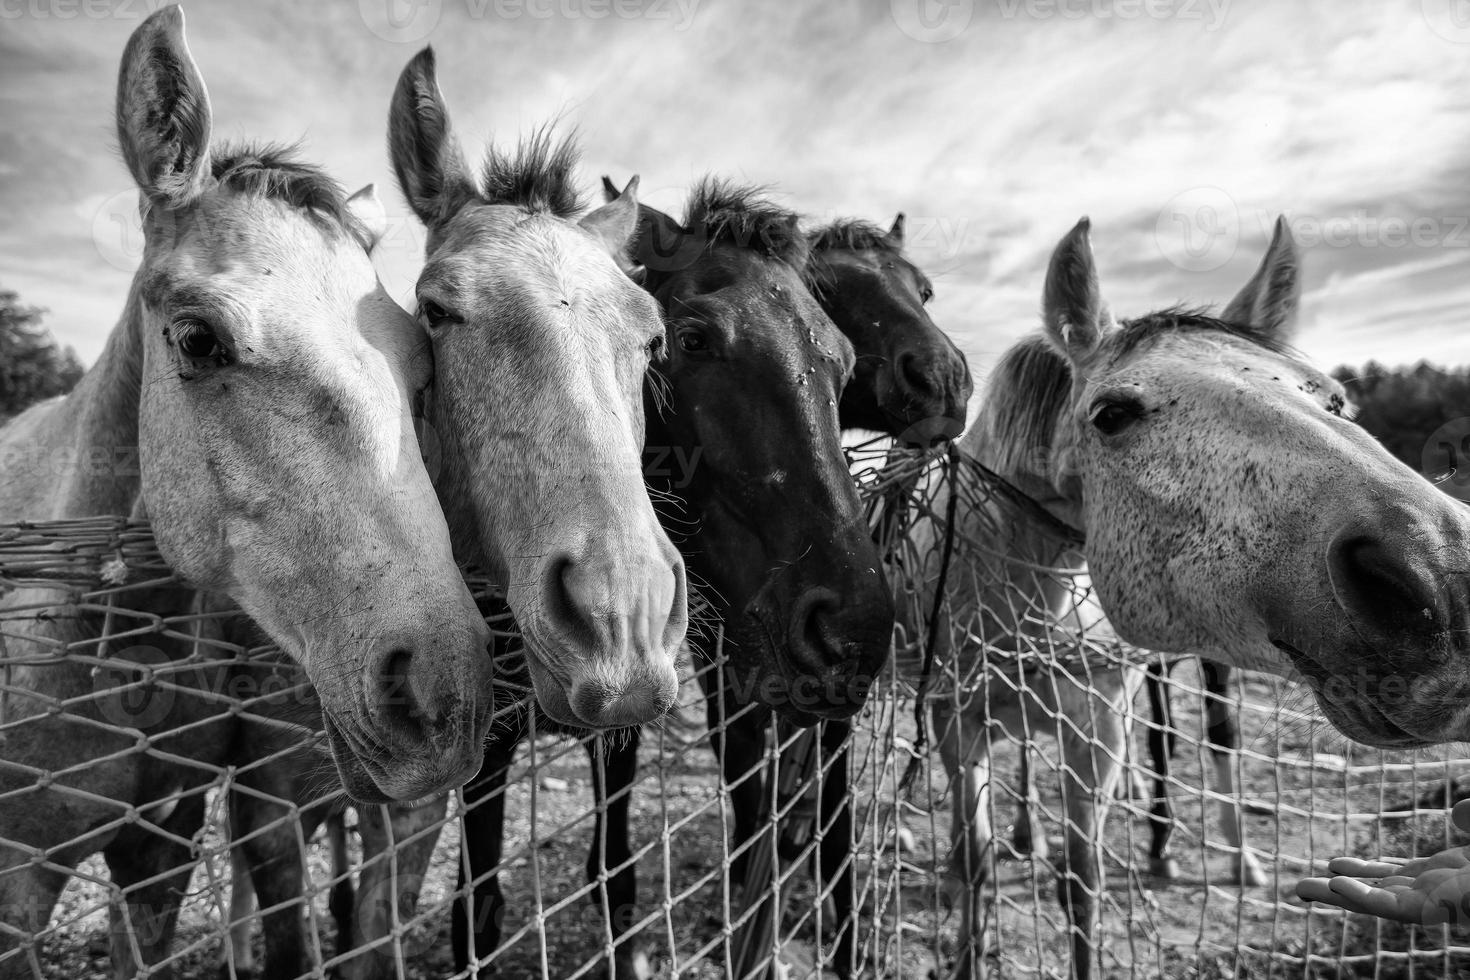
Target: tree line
{"type": "Point", "coordinates": [1421, 413]}
{"type": "Point", "coordinates": [33, 366]}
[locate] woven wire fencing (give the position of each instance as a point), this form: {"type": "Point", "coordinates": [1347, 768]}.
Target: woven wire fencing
{"type": "Point", "coordinates": [167, 806]}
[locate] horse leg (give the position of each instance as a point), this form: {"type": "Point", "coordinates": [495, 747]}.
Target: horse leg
{"type": "Point", "coordinates": [28, 895]}
{"type": "Point", "coordinates": [1223, 732]}
{"type": "Point", "coordinates": [836, 873]}
{"type": "Point", "coordinates": [966, 757]}
{"type": "Point", "coordinates": [1029, 837]}
{"type": "Point", "coordinates": [1091, 763]}
{"type": "Point", "coordinates": [46, 832]}
{"type": "Point", "coordinates": [153, 873]}
{"type": "Point", "coordinates": [479, 906]}
{"type": "Point", "coordinates": [397, 845]}
{"type": "Point", "coordinates": [614, 766]}
{"type": "Point", "coordinates": [739, 745]}
{"type": "Point", "coordinates": [1160, 752]}
{"type": "Point", "coordinates": [239, 958]}
{"type": "Point", "coordinates": [341, 900]}
{"type": "Point", "coordinates": [273, 811]}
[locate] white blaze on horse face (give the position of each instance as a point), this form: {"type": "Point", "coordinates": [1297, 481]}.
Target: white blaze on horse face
{"type": "Point", "coordinates": [1232, 510]}
{"type": "Point", "coordinates": [276, 446]}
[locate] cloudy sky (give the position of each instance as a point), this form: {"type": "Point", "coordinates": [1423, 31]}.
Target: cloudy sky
{"type": "Point", "coordinates": [1181, 126]}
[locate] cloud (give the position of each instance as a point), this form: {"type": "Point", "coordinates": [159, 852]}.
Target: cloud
{"type": "Point", "coordinates": [994, 142]}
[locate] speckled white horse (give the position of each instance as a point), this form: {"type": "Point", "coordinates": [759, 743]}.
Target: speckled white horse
{"type": "Point", "coordinates": [1229, 509]}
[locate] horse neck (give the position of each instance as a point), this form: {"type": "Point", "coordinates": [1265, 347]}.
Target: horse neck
{"type": "Point", "coordinates": [1023, 572]}
{"type": "Point", "coordinates": [83, 449]}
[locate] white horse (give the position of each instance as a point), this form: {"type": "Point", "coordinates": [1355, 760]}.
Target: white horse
{"type": "Point", "coordinates": [1228, 509]}
{"type": "Point", "coordinates": [262, 380]}
{"type": "Point", "coordinates": [265, 384]}
{"type": "Point", "coordinates": [541, 342]}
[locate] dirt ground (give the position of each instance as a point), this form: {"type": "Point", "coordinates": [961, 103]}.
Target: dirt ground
{"type": "Point", "coordinates": [1313, 797]}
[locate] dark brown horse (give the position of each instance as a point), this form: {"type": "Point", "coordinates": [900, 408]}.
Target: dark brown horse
{"type": "Point", "coordinates": [911, 379]}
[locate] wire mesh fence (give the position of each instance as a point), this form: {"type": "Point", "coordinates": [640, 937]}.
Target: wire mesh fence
{"type": "Point", "coordinates": [168, 806]}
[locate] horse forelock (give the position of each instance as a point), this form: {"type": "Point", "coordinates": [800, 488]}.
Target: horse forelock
{"type": "Point", "coordinates": [1031, 384]}
{"type": "Point", "coordinates": [271, 172]}
{"type": "Point", "coordinates": [852, 235]}
{"type": "Point", "coordinates": [730, 214]}
{"type": "Point", "coordinates": [1135, 334]}
{"type": "Point", "coordinates": [538, 175]}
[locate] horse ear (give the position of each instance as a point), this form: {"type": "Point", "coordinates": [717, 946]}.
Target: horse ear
{"type": "Point", "coordinates": [895, 233]}
{"type": "Point", "coordinates": [163, 118]}
{"type": "Point", "coordinates": [609, 190]}
{"type": "Point", "coordinates": [1072, 307]}
{"type": "Point", "coordinates": [662, 244]}
{"type": "Point", "coordinates": [616, 223]}
{"type": "Point", "coordinates": [1269, 301]}
{"type": "Point", "coordinates": [431, 172]}
{"type": "Point", "coordinates": [367, 210]}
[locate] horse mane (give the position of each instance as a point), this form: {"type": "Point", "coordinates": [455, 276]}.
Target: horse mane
{"type": "Point", "coordinates": [1027, 392]}
{"type": "Point", "coordinates": [731, 214]}
{"type": "Point", "coordinates": [852, 235]}
{"type": "Point", "coordinates": [537, 176]}
{"type": "Point", "coordinates": [271, 171]}
{"type": "Point", "coordinates": [1141, 330]}
{"type": "Point", "coordinates": [1031, 383]}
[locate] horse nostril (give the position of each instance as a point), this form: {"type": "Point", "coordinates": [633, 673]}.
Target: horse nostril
{"type": "Point", "coordinates": [814, 630]}
{"type": "Point", "coordinates": [400, 708]}
{"type": "Point", "coordinates": [397, 706]}
{"type": "Point", "coordinates": [567, 603]}
{"type": "Point", "coordinates": [914, 374]}
{"type": "Point", "coordinates": [1375, 583]}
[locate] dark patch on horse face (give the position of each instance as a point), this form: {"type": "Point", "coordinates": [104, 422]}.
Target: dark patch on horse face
{"type": "Point", "coordinates": [911, 381]}
{"type": "Point", "coordinates": [776, 517]}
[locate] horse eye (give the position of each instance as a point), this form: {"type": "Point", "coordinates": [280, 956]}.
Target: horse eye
{"type": "Point", "coordinates": [926, 294]}
{"type": "Point", "coordinates": [656, 348]}
{"type": "Point", "coordinates": [196, 340]}
{"type": "Point", "coordinates": [433, 313]}
{"type": "Point", "coordinates": [1114, 416]}
{"type": "Point", "coordinates": [692, 340]}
